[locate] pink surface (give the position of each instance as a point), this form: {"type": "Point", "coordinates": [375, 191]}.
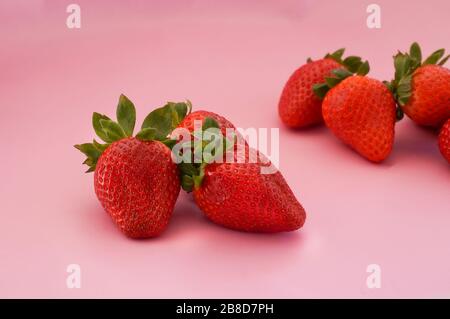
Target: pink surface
{"type": "Point", "coordinates": [232, 59]}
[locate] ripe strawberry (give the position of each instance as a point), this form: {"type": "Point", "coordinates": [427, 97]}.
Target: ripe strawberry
{"type": "Point", "coordinates": [444, 140]}
{"type": "Point", "coordinates": [135, 179]}
{"type": "Point", "coordinates": [137, 184]}
{"type": "Point", "coordinates": [422, 89]}
{"type": "Point", "coordinates": [298, 105]}
{"type": "Point", "coordinates": [238, 196]}
{"type": "Point", "coordinates": [361, 112]}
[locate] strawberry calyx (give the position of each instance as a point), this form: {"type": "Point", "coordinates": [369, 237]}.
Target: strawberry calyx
{"type": "Point", "coordinates": [206, 146]}
{"type": "Point", "coordinates": [165, 119]}
{"type": "Point", "coordinates": [157, 126]}
{"type": "Point", "coordinates": [351, 65]}
{"type": "Point", "coordinates": [406, 63]}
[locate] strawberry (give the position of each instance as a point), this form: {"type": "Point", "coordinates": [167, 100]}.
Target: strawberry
{"type": "Point", "coordinates": [239, 196]}
{"type": "Point", "coordinates": [422, 89]}
{"type": "Point", "coordinates": [137, 184]}
{"type": "Point", "coordinates": [298, 105]}
{"type": "Point", "coordinates": [361, 112]}
{"type": "Point", "coordinates": [135, 178]}
{"type": "Point", "coordinates": [444, 140]}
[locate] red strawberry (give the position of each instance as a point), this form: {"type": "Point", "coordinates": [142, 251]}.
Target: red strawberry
{"type": "Point", "coordinates": [361, 112]}
{"type": "Point", "coordinates": [422, 89]}
{"type": "Point", "coordinates": [298, 105]}
{"type": "Point", "coordinates": [444, 140]}
{"type": "Point", "coordinates": [239, 196]}
{"type": "Point", "coordinates": [137, 184]}
{"type": "Point", "coordinates": [135, 179]}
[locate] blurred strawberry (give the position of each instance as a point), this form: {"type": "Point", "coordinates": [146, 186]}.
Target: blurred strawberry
{"type": "Point", "coordinates": [444, 140]}
{"type": "Point", "coordinates": [422, 89]}
{"type": "Point", "coordinates": [298, 105]}
{"type": "Point", "coordinates": [361, 112]}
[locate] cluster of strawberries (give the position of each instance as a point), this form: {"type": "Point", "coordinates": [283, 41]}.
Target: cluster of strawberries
{"type": "Point", "coordinates": [138, 182]}
{"type": "Point", "coordinates": [362, 111]}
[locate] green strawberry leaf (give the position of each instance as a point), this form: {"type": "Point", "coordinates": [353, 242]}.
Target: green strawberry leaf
{"type": "Point", "coordinates": [92, 154]}
{"type": "Point", "coordinates": [126, 115]}
{"type": "Point", "coordinates": [352, 63]}
{"type": "Point", "coordinates": [198, 179]}
{"type": "Point", "coordinates": [341, 73]}
{"type": "Point", "coordinates": [113, 131]}
{"type": "Point", "coordinates": [444, 60]}
{"type": "Point", "coordinates": [165, 119]}
{"type": "Point", "coordinates": [96, 117]}
{"type": "Point", "coordinates": [363, 69]}
{"type": "Point", "coordinates": [415, 52]}
{"type": "Point", "coordinates": [434, 57]}
{"type": "Point", "coordinates": [183, 109]}
{"type": "Point", "coordinates": [187, 183]}
{"type": "Point", "coordinates": [169, 142]}
{"type": "Point", "coordinates": [160, 119]}
{"type": "Point", "coordinates": [321, 89]}
{"type": "Point", "coordinates": [389, 85]}
{"type": "Point", "coordinates": [88, 149]}
{"type": "Point", "coordinates": [209, 123]}
{"type": "Point", "coordinates": [404, 90]}
{"type": "Point", "coordinates": [188, 168]}
{"type": "Point", "coordinates": [100, 147]}
{"type": "Point", "coordinates": [336, 55]}
{"type": "Point", "coordinates": [402, 64]}
{"type": "Point", "coordinates": [146, 134]}
{"type": "Point", "coordinates": [332, 82]}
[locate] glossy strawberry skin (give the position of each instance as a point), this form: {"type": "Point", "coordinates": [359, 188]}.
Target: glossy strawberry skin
{"type": "Point", "coordinates": [429, 104]}
{"type": "Point", "coordinates": [137, 184]}
{"type": "Point", "coordinates": [361, 112]}
{"type": "Point", "coordinates": [238, 196]}
{"type": "Point", "coordinates": [444, 140]}
{"type": "Point", "coordinates": [298, 105]}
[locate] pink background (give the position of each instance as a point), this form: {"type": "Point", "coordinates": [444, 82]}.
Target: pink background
{"type": "Point", "coordinates": [233, 58]}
